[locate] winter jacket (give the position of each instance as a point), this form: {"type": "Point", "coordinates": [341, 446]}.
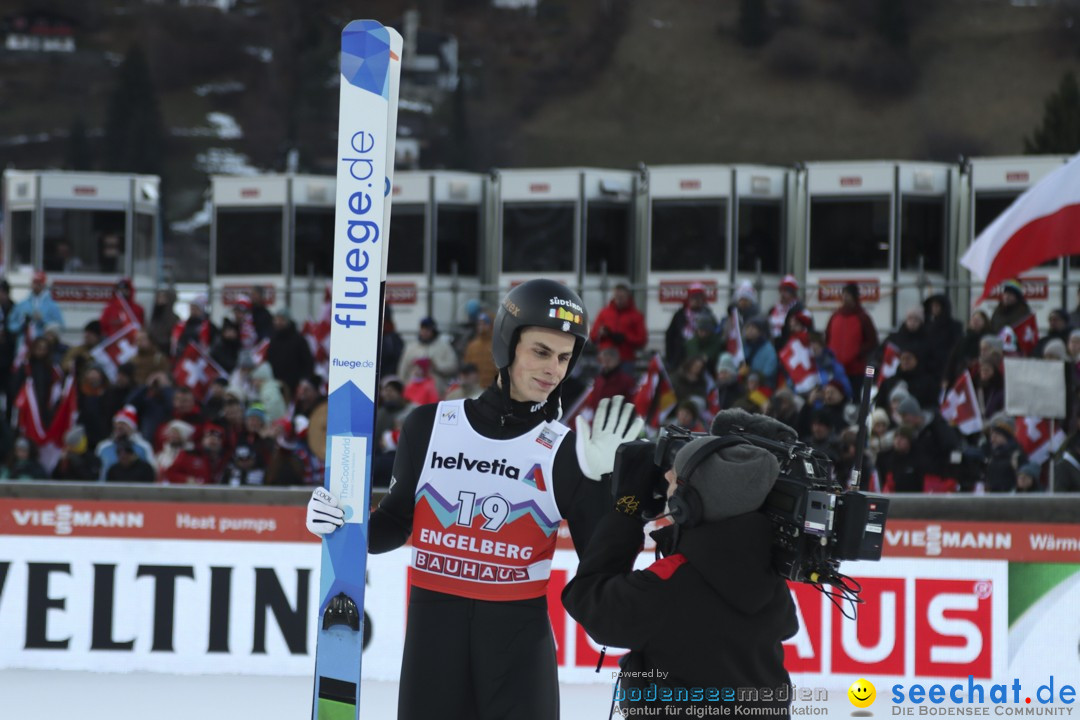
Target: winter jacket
{"type": "Point", "coordinates": [942, 334]}
{"type": "Point", "coordinates": [620, 328]}
{"type": "Point", "coordinates": [851, 336]}
{"type": "Point", "coordinates": [681, 329]}
{"type": "Point", "coordinates": [712, 614]}
{"type": "Point", "coordinates": [289, 356]}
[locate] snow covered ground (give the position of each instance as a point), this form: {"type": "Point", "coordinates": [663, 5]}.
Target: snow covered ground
{"type": "Point", "coordinates": [136, 696]}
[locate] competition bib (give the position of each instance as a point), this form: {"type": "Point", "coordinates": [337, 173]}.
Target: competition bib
{"type": "Point", "coordinates": [486, 521]}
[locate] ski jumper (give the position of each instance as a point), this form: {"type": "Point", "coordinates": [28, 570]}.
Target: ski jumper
{"type": "Point", "coordinates": [482, 500]}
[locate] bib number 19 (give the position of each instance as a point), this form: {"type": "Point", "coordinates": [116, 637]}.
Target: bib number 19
{"type": "Point", "coordinates": [494, 509]}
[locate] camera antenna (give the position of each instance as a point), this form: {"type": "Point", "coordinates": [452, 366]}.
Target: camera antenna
{"type": "Point", "coordinates": [860, 440]}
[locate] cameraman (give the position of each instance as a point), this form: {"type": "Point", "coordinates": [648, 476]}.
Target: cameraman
{"type": "Point", "coordinates": [704, 624]}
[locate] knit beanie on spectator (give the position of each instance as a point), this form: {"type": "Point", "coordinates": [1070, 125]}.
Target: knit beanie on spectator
{"type": "Point", "coordinates": [731, 481]}
{"type": "Point", "coordinates": [128, 416]}
{"type": "Point", "coordinates": [1002, 423]}
{"type": "Point", "coordinates": [909, 406]}
{"type": "Point", "coordinates": [1030, 469]}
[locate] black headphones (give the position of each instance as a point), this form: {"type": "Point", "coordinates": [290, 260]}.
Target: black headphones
{"type": "Point", "coordinates": [685, 505]}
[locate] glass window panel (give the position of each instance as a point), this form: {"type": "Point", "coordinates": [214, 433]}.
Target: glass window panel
{"type": "Point", "coordinates": [145, 258]}
{"type": "Point", "coordinates": [922, 233]}
{"type": "Point", "coordinates": [84, 241]}
{"type": "Point", "coordinates": [313, 248]}
{"type": "Point", "coordinates": [538, 237]}
{"type": "Point", "coordinates": [849, 234]}
{"type": "Point", "coordinates": [22, 221]}
{"type": "Point", "coordinates": [407, 239]}
{"type": "Point", "coordinates": [249, 241]}
{"type": "Point", "coordinates": [761, 236]}
{"type": "Point", "coordinates": [607, 238]}
{"type": "Point", "coordinates": [457, 240]}
{"type": "Point", "coordinates": [689, 235]}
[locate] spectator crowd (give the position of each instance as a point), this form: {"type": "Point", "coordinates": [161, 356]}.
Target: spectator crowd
{"type": "Point", "coordinates": [151, 397]}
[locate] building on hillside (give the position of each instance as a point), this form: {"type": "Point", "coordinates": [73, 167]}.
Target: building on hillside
{"type": "Point", "coordinates": [38, 31]}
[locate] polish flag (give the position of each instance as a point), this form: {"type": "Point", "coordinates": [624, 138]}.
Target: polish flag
{"type": "Point", "coordinates": [960, 407]}
{"type": "Point", "coordinates": [1033, 434]}
{"type": "Point", "coordinates": [800, 365]}
{"type": "Point", "coordinates": [1042, 224]}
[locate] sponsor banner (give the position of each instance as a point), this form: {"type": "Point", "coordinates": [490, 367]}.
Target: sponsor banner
{"type": "Point", "coordinates": [153, 520]}
{"type": "Point", "coordinates": [830, 290]}
{"type": "Point", "coordinates": [231, 293]}
{"type": "Point", "coordinates": [675, 291]}
{"type": "Point", "coordinates": [1016, 542]}
{"type": "Point", "coordinates": [919, 618]}
{"type": "Point", "coordinates": [73, 291]}
{"type": "Point", "coordinates": [1036, 287]}
{"type": "Point", "coordinates": [401, 293]}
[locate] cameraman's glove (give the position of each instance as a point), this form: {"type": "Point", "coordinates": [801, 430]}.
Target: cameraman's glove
{"type": "Point", "coordinates": [638, 484]}
{"type": "Point", "coordinates": [613, 424]}
{"type": "Point", "coordinates": [323, 514]}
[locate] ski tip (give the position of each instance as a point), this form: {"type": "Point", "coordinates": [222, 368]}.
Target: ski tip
{"type": "Point", "coordinates": [356, 26]}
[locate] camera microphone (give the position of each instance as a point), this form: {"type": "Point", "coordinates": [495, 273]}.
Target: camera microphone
{"type": "Point", "coordinates": [738, 422]}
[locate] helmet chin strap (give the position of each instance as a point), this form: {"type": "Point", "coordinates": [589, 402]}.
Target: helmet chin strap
{"type": "Point", "coordinates": [551, 407]}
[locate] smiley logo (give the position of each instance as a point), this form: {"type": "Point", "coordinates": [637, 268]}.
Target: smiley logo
{"type": "Point", "coordinates": [862, 693]}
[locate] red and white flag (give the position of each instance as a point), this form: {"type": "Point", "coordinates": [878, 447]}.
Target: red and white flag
{"type": "Point", "coordinates": [800, 365]}
{"type": "Point", "coordinates": [1033, 434]}
{"type": "Point", "coordinates": [1042, 224]}
{"type": "Point", "coordinates": [890, 363]}
{"type": "Point", "coordinates": [1027, 333]}
{"type": "Point", "coordinates": [115, 350]}
{"type": "Point", "coordinates": [49, 440]}
{"type": "Point", "coordinates": [196, 370]}
{"type": "Point", "coordinates": [258, 353]}
{"type": "Point", "coordinates": [317, 335]}
{"type": "Point", "coordinates": [655, 397]}
{"type": "Point", "coordinates": [960, 407]}
{"type": "Point", "coordinates": [734, 338]}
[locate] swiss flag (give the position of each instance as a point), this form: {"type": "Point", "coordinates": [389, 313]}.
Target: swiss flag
{"type": "Point", "coordinates": [734, 339]}
{"type": "Point", "coordinates": [1033, 434]}
{"type": "Point", "coordinates": [960, 407]}
{"type": "Point", "coordinates": [1027, 335]}
{"type": "Point", "coordinates": [115, 350]}
{"type": "Point", "coordinates": [196, 370]}
{"type": "Point", "coordinates": [800, 365]}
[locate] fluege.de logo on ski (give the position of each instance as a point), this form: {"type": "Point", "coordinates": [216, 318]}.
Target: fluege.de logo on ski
{"type": "Point", "coordinates": [361, 275]}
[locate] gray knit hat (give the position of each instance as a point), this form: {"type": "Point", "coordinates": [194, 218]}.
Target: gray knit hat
{"type": "Point", "coordinates": [731, 481]}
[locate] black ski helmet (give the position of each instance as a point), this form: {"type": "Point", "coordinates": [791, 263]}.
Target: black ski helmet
{"type": "Point", "coordinates": [538, 303]}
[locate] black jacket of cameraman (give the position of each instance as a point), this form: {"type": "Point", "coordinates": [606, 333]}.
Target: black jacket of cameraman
{"type": "Point", "coordinates": [709, 618]}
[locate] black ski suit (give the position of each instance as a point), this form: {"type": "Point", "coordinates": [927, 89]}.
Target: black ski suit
{"type": "Point", "coordinates": [467, 658]}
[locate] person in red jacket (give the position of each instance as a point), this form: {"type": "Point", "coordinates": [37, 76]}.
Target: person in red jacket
{"type": "Point", "coordinates": [620, 325]}
{"type": "Point", "coordinates": [612, 379]}
{"type": "Point", "coordinates": [851, 335]}
{"type": "Point", "coordinates": [122, 309]}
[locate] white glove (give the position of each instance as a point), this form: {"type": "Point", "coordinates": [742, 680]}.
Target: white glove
{"type": "Point", "coordinates": [323, 514]}
{"type": "Point", "coordinates": [613, 424]}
